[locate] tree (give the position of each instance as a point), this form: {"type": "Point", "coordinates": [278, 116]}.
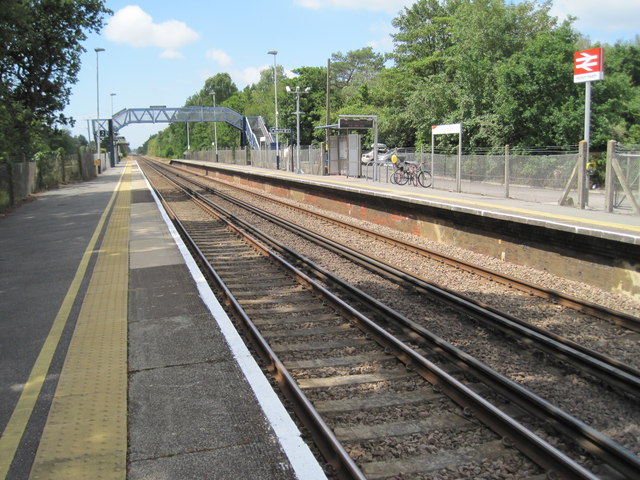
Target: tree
{"type": "Point", "coordinates": [499, 68]}
{"type": "Point", "coordinates": [539, 103]}
{"type": "Point", "coordinates": [202, 134]}
{"type": "Point", "coordinates": [424, 35]}
{"type": "Point", "coordinates": [616, 99]}
{"type": "Point", "coordinates": [355, 67]}
{"type": "Point", "coordinates": [312, 104]}
{"type": "Point", "coordinates": [40, 47]}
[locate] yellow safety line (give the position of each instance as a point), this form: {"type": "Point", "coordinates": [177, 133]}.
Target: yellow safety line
{"type": "Point", "coordinates": [448, 200]}
{"type": "Point", "coordinates": [86, 431]}
{"type": "Point", "coordinates": [17, 424]}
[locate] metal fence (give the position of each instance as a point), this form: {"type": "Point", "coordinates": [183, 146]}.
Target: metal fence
{"type": "Point", "coordinates": [628, 160]}
{"type": "Point", "coordinates": [526, 177]}
{"type": "Point", "coordinates": [541, 178]}
{"type": "Point", "coordinates": [310, 158]}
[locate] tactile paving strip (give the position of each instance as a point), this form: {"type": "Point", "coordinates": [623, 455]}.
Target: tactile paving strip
{"type": "Point", "coordinates": [86, 431]}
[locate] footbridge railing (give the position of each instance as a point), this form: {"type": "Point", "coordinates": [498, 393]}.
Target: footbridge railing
{"type": "Point", "coordinates": [163, 114]}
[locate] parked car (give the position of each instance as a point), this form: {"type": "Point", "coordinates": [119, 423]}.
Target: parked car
{"type": "Point", "coordinates": [367, 157]}
{"type": "Point", "coordinates": [402, 153]}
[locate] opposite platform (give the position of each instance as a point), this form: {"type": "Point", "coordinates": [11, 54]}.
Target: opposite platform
{"type": "Point", "coordinates": [198, 405]}
{"type": "Point", "coordinates": [588, 246]}
{"type": "Point", "coordinates": [545, 212]}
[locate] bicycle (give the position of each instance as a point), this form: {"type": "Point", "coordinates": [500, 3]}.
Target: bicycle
{"type": "Point", "coordinates": [409, 172]}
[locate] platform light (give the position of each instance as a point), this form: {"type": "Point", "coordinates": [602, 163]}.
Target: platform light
{"type": "Point", "coordinates": [98, 50]}
{"type": "Point", "coordinates": [275, 89]}
{"type": "Point", "coordinates": [298, 92]}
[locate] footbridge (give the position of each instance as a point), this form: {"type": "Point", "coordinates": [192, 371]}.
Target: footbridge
{"type": "Point", "coordinates": [251, 128]}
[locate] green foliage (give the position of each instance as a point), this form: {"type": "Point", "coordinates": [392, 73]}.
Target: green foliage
{"type": "Point", "coordinates": [312, 103]}
{"type": "Point", "coordinates": [616, 99]}
{"type": "Point", "coordinates": [172, 141]}
{"type": "Point", "coordinates": [40, 47]}
{"type": "Point", "coordinates": [49, 163]}
{"type": "Point", "coordinates": [538, 95]}
{"type": "Point", "coordinates": [424, 36]}
{"type": "Point", "coordinates": [349, 72]}
{"type": "Point", "coordinates": [503, 70]}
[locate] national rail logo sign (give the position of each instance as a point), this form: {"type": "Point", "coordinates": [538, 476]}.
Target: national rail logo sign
{"type": "Point", "coordinates": [588, 65]}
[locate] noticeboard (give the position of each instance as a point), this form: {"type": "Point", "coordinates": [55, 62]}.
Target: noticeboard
{"type": "Point", "coordinates": [355, 123]}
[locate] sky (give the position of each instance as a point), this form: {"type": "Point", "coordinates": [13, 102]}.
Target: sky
{"type": "Point", "coordinates": [161, 52]}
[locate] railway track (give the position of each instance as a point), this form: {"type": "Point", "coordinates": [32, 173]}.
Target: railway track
{"type": "Point", "coordinates": [558, 297]}
{"type": "Point", "coordinates": [608, 369]}
{"type": "Point", "coordinates": [370, 401]}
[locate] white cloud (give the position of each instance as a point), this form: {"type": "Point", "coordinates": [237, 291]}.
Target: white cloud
{"type": "Point", "coordinates": [220, 56]}
{"type": "Point", "coordinates": [596, 17]}
{"type": "Point", "coordinates": [171, 53]}
{"type": "Point", "coordinates": [247, 76]}
{"type": "Point", "coordinates": [384, 43]}
{"type": "Point", "coordinates": [390, 6]}
{"type": "Point", "coordinates": [133, 26]}
{"type": "Point", "coordinates": [241, 78]}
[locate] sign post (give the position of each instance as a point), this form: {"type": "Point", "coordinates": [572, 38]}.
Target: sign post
{"type": "Point", "coordinates": [588, 66]}
{"type": "Point", "coordinates": [448, 129]}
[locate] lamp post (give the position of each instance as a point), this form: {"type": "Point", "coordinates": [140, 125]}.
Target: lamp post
{"type": "Point", "coordinates": [215, 126]}
{"type": "Point", "coordinates": [98, 50]}
{"type": "Point", "coordinates": [275, 89]}
{"type": "Point", "coordinates": [298, 113]}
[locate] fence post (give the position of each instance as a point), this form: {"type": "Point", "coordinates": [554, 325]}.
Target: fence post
{"type": "Point", "coordinates": [459, 164]}
{"type": "Point", "coordinates": [582, 174]}
{"type": "Point", "coordinates": [507, 170]}
{"type": "Point", "coordinates": [609, 185]}
{"type": "Point", "coordinates": [63, 165]}
{"type": "Point", "coordinates": [79, 160]}
{"type": "Point", "coordinates": [12, 189]}
{"type": "Point", "coordinates": [433, 171]}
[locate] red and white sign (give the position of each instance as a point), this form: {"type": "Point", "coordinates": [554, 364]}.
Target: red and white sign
{"type": "Point", "coordinates": [588, 65]}
{"type": "Point", "coordinates": [444, 129]}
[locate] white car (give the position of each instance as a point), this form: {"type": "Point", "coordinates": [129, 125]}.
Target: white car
{"type": "Point", "coordinates": [367, 157]}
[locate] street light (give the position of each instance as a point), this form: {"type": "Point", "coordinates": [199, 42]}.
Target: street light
{"type": "Point", "coordinates": [298, 113]}
{"type": "Point", "coordinates": [98, 50]}
{"type": "Point", "coordinates": [275, 89]}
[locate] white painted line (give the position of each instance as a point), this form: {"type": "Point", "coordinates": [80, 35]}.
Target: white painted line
{"type": "Point", "coordinates": [304, 464]}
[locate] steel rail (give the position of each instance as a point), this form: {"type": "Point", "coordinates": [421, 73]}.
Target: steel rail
{"type": "Point", "coordinates": [622, 319]}
{"type": "Point", "coordinates": [533, 446]}
{"type": "Point", "coordinates": [332, 450]}
{"type": "Point", "coordinates": [587, 437]}
{"type": "Point", "coordinates": [605, 368]}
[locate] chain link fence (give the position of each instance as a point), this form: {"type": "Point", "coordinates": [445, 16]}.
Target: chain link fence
{"type": "Point", "coordinates": [311, 161]}
{"type": "Point", "coordinates": [628, 159]}
{"type": "Point", "coordinates": [526, 177]}
{"type": "Point", "coordinates": [540, 175]}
